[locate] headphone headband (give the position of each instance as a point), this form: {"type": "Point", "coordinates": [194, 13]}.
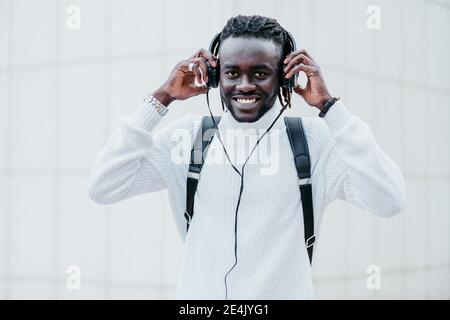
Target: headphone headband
{"type": "Point", "coordinates": [215, 43]}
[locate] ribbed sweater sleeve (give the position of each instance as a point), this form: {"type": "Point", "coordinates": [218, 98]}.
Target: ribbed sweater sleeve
{"type": "Point", "coordinates": [135, 159]}
{"type": "Point", "coordinates": [356, 168]}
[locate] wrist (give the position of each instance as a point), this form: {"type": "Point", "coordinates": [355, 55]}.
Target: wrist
{"type": "Point", "coordinates": [327, 106]}
{"type": "Point", "coordinates": [159, 107]}
{"type": "Point", "coordinates": [162, 96]}
{"type": "Point", "coordinates": [323, 101]}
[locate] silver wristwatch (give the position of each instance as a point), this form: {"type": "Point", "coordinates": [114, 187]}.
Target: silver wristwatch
{"type": "Point", "coordinates": [162, 109]}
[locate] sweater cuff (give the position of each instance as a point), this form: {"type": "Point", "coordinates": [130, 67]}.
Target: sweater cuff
{"type": "Point", "coordinates": [146, 117]}
{"type": "Point", "coordinates": [337, 117]}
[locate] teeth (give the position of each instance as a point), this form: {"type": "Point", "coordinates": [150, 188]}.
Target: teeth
{"type": "Point", "coordinates": [246, 100]}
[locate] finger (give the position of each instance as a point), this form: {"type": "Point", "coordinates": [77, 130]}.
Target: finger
{"type": "Point", "coordinates": [200, 89]}
{"type": "Point", "coordinates": [295, 53]}
{"type": "Point", "coordinates": [208, 56]}
{"type": "Point", "coordinates": [306, 53]}
{"type": "Point", "coordinates": [195, 55]}
{"type": "Point", "coordinates": [192, 67]}
{"type": "Point", "coordinates": [290, 55]}
{"type": "Point", "coordinates": [310, 71]}
{"type": "Point", "coordinates": [198, 76]}
{"type": "Point", "coordinates": [301, 58]}
{"type": "Point", "coordinates": [299, 90]}
{"type": "Point", "coordinates": [203, 70]}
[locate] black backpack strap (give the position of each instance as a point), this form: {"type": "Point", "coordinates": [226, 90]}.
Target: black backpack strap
{"type": "Point", "coordinates": [198, 154]}
{"type": "Point", "coordinates": [302, 161]}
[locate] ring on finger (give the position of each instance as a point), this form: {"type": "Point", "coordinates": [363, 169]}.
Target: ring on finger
{"type": "Point", "coordinates": [191, 66]}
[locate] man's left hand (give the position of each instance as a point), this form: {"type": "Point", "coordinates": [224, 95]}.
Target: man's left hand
{"type": "Point", "coordinates": [315, 93]}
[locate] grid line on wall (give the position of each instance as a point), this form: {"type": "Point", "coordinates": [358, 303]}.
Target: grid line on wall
{"type": "Point", "coordinates": [402, 129]}
{"type": "Point", "coordinates": [9, 137]}
{"type": "Point", "coordinates": [108, 116]}
{"type": "Point", "coordinates": [426, 149]}
{"type": "Point", "coordinates": [55, 174]}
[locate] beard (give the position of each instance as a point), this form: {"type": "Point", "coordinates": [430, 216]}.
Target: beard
{"type": "Point", "coordinates": [270, 101]}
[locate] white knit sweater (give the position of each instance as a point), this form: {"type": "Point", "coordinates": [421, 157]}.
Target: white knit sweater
{"type": "Point", "coordinates": [272, 261]}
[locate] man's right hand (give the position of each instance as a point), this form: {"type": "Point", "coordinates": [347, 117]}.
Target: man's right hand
{"type": "Point", "coordinates": [184, 83]}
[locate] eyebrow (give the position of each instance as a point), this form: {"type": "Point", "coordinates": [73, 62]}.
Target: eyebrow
{"type": "Point", "coordinates": [258, 66]}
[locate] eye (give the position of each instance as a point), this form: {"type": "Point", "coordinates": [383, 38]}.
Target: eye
{"type": "Point", "coordinates": [231, 74]}
{"type": "Point", "coordinates": [260, 74]}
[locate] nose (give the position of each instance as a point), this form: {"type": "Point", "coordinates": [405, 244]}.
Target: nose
{"type": "Point", "coordinates": [246, 85]}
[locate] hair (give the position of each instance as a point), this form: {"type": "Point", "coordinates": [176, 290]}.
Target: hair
{"type": "Point", "coordinates": [261, 28]}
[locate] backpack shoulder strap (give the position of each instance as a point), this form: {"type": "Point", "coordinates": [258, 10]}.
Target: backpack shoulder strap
{"type": "Point", "coordinates": [299, 146]}
{"type": "Point", "coordinates": [199, 150]}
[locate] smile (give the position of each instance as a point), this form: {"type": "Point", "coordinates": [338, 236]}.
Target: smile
{"type": "Point", "coordinates": [246, 100]}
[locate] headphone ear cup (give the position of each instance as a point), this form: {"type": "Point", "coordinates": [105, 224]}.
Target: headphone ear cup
{"type": "Point", "coordinates": [287, 83]}
{"type": "Point", "coordinates": [213, 75]}
{"type": "Point", "coordinates": [292, 81]}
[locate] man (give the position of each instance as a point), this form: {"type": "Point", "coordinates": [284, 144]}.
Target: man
{"type": "Point", "coordinates": [247, 242]}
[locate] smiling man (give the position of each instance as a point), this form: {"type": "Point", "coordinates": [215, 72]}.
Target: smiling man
{"type": "Point", "coordinates": [246, 239]}
{"type": "Point", "coordinates": [249, 77]}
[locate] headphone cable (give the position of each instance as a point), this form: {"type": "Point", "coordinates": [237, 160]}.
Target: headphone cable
{"type": "Point", "coordinates": [241, 174]}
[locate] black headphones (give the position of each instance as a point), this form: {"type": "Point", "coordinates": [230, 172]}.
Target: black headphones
{"type": "Point", "coordinates": [214, 73]}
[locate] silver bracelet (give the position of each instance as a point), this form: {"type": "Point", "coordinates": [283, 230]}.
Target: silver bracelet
{"type": "Point", "coordinates": [162, 109]}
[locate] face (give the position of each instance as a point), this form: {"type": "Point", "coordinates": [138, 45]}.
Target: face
{"type": "Point", "coordinates": [249, 75]}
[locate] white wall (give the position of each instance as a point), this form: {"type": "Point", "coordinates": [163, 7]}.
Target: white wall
{"type": "Point", "coordinates": [62, 91]}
